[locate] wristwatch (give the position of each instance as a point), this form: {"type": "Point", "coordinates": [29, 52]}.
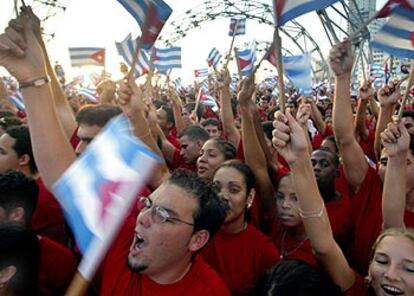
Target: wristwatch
{"type": "Point", "coordinates": [35, 82]}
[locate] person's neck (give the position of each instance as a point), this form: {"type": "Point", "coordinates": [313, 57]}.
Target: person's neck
{"type": "Point", "coordinates": [329, 193]}
{"type": "Point", "coordinates": [174, 274]}
{"type": "Point", "coordinates": [297, 233]}
{"type": "Point", "coordinates": [235, 226]}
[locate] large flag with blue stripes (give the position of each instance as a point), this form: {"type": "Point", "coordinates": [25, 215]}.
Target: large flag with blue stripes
{"type": "Point", "coordinates": [397, 36]}
{"type": "Point", "coordinates": [151, 15]}
{"type": "Point", "coordinates": [96, 191]}
{"type": "Point", "coordinates": [127, 48]}
{"type": "Point", "coordinates": [167, 58]}
{"type": "Point", "coordinates": [214, 57]}
{"type": "Point", "coordinates": [82, 56]}
{"type": "Point", "coordinates": [246, 59]}
{"type": "Point", "coordinates": [298, 70]}
{"type": "Point", "coordinates": [237, 26]}
{"type": "Point", "coordinates": [286, 10]}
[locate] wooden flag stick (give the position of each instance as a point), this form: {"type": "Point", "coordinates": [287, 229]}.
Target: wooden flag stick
{"type": "Point", "coordinates": [237, 62]}
{"type": "Point", "coordinates": [260, 62]}
{"type": "Point", "coordinates": [279, 65]}
{"type": "Point", "coordinates": [78, 286]}
{"type": "Point", "coordinates": [407, 91]}
{"type": "Point", "coordinates": [135, 60]}
{"type": "Point", "coordinates": [232, 43]}
{"type": "Point", "coordinates": [148, 82]}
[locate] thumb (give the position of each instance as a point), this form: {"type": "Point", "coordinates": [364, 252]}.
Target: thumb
{"type": "Point", "coordinates": [293, 124]}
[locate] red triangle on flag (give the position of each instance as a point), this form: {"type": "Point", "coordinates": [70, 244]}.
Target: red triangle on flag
{"type": "Point", "coordinates": [243, 63]}
{"type": "Point", "coordinates": [99, 56]}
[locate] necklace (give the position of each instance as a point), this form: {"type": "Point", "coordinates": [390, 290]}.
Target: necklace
{"type": "Point", "coordinates": [284, 253]}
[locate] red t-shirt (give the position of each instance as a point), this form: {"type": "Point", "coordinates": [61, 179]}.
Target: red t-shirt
{"type": "Point", "coordinates": [359, 288]}
{"type": "Point", "coordinates": [291, 248]}
{"type": "Point", "coordinates": [48, 217]}
{"type": "Point", "coordinates": [56, 268]}
{"type": "Point", "coordinates": [241, 259]}
{"type": "Point", "coordinates": [367, 215]}
{"type": "Point", "coordinates": [118, 279]}
{"type": "Point", "coordinates": [339, 213]}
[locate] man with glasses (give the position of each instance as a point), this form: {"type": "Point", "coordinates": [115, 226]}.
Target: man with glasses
{"type": "Point", "coordinates": [174, 224]}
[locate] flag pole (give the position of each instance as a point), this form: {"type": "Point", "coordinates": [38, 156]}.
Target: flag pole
{"type": "Point", "coordinates": [237, 62]}
{"type": "Point", "coordinates": [148, 84]}
{"type": "Point", "coordinates": [279, 65]}
{"type": "Point", "coordinates": [78, 286]}
{"type": "Point", "coordinates": [232, 43]}
{"type": "Point", "coordinates": [407, 91]}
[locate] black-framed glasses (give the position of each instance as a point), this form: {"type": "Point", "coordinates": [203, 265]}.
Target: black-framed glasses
{"type": "Point", "coordinates": [158, 214]}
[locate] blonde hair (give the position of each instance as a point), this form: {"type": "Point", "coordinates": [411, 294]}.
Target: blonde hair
{"type": "Point", "coordinates": [408, 233]}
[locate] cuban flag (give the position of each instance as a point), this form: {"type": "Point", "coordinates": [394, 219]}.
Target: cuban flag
{"type": "Point", "coordinates": [151, 15]}
{"type": "Point", "coordinates": [237, 26]}
{"type": "Point", "coordinates": [127, 48]}
{"type": "Point", "coordinates": [179, 87]}
{"type": "Point", "coordinates": [286, 10]}
{"type": "Point", "coordinates": [298, 71]}
{"type": "Point", "coordinates": [397, 36]}
{"type": "Point", "coordinates": [377, 74]}
{"type": "Point", "coordinates": [167, 58]}
{"type": "Point", "coordinates": [82, 56]}
{"type": "Point", "coordinates": [391, 4]}
{"type": "Point", "coordinates": [89, 94]}
{"type": "Point", "coordinates": [17, 101]}
{"type": "Point", "coordinates": [205, 98]}
{"type": "Point", "coordinates": [96, 191]}
{"type": "Point", "coordinates": [201, 72]}
{"type": "Point", "coordinates": [214, 57]}
{"type": "Point", "coordinates": [246, 59]}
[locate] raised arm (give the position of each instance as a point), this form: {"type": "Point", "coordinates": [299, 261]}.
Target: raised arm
{"type": "Point", "coordinates": [355, 165]}
{"type": "Point", "coordinates": [226, 113]}
{"type": "Point", "coordinates": [316, 117]}
{"type": "Point", "coordinates": [290, 141]}
{"type": "Point", "coordinates": [22, 55]}
{"type": "Point", "coordinates": [365, 92]}
{"type": "Point", "coordinates": [63, 108]}
{"type": "Point", "coordinates": [396, 140]}
{"type": "Point", "coordinates": [176, 106]}
{"type": "Point", "coordinates": [253, 153]}
{"type": "Point", "coordinates": [388, 97]}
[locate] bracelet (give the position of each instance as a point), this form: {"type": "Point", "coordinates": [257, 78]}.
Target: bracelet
{"type": "Point", "coordinates": [35, 82]}
{"type": "Point", "coordinates": [312, 214]}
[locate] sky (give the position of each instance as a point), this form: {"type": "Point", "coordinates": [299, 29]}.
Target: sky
{"type": "Point", "coordinates": [99, 23]}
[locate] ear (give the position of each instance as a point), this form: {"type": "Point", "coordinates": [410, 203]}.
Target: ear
{"type": "Point", "coordinates": [24, 160]}
{"type": "Point", "coordinates": [250, 198]}
{"type": "Point", "coordinates": [17, 214]}
{"type": "Point", "coordinates": [6, 274]}
{"type": "Point", "coordinates": [199, 240]}
{"type": "Point", "coordinates": [200, 143]}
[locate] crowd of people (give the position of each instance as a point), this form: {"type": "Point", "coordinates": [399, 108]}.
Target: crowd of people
{"type": "Point", "coordinates": [249, 200]}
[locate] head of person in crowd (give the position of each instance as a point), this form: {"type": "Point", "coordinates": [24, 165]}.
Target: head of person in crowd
{"type": "Point", "coordinates": [175, 222]}
{"type": "Point", "coordinates": [165, 118]}
{"type": "Point", "coordinates": [19, 260]}
{"type": "Point", "coordinates": [192, 138]}
{"type": "Point", "coordinates": [330, 143]}
{"type": "Point", "coordinates": [408, 120]}
{"type": "Point", "coordinates": [188, 109]}
{"type": "Point", "coordinates": [287, 202]}
{"type": "Point", "coordinates": [382, 165]}
{"type": "Point", "coordinates": [391, 271]}
{"type": "Point", "coordinates": [213, 153]}
{"type": "Point", "coordinates": [212, 126]}
{"type": "Point", "coordinates": [323, 103]}
{"type": "Point", "coordinates": [18, 197]}
{"type": "Point", "coordinates": [235, 183]}
{"type": "Point", "coordinates": [16, 151]}
{"type": "Point", "coordinates": [354, 99]}
{"type": "Point", "coordinates": [325, 166]}
{"type": "Point", "coordinates": [91, 119]}
{"type": "Point", "coordinates": [264, 102]}
{"type": "Point", "coordinates": [295, 277]}
{"type": "Point", "coordinates": [9, 121]}
{"type": "Point", "coordinates": [293, 104]}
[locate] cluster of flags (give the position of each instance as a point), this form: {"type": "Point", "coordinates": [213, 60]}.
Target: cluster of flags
{"type": "Point", "coordinates": [205, 97]}
{"type": "Point", "coordinates": [127, 49]}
